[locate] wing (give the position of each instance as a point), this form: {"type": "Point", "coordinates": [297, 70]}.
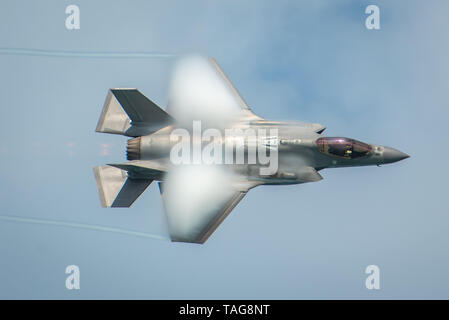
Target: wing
{"type": "Point", "coordinates": [200, 90]}
{"type": "Point", "coordinates": [240, 101]}
{"type": "Point", "coordinates": [198, 198]}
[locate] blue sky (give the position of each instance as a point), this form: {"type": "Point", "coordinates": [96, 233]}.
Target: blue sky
{"type": "Point", "coordinates": [305, 60]}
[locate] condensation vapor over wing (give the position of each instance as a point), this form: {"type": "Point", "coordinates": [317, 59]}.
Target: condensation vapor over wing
{"type": "Point", "coordinates": [198, 92]}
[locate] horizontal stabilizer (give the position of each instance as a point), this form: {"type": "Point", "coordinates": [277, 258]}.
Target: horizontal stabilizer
{"type": "Point", "coordinates": [129, 112]}
{"type": "Point", "coordinates": [143, 169]}
{"type": "Point", "coordinates": [116, 189]}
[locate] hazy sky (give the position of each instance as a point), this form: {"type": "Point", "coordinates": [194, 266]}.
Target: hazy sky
{"type": "Point", "coordinates": [305, 60]}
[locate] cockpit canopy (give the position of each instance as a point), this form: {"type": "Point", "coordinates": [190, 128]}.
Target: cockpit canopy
{"type": "Point", "coordinates": [342, 147]}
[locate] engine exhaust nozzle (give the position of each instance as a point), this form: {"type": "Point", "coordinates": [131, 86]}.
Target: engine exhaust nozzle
{"type": "Point", "coordinates": [133, 149]}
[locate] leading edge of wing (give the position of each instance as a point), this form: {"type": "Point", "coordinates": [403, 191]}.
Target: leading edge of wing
{"type": "Point", "coordinates": [238, 97]}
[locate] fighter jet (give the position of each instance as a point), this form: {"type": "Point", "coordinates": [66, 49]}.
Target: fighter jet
{"type": "Point", "coordinates": [200, 187]}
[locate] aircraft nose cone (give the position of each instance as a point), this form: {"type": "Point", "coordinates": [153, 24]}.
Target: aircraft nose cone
{"type": "Point", "coordinates": [391, 155]}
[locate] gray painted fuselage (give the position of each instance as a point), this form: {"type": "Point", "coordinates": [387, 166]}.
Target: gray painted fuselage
{"type": "Point", "coordinates": [299, 158]}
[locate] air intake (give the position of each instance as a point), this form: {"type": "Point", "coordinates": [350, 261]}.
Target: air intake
{"type": "Point", "coordinates": [133, 149]}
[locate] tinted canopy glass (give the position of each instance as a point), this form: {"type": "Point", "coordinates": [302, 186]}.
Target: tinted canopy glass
{"type": "Point", "coordinates": [343, 147]}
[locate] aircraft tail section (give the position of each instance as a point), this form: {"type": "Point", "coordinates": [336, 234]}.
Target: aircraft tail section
{"type": "Point", "coordinates": [128, 112]}
{"type": "Point", "coordinates": [116, 189]}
